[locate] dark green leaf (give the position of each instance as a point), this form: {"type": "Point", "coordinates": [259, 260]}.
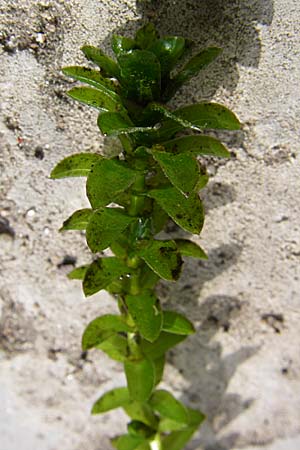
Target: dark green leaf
{"type": "Point", "coordinates": [121, 44]}
{"type": "Point", "coordinates": [192, 68]}
{"type": "Point", "coordinates": [141, 412]}
{"type": "Point", "coordinates": [189, 248]}
{"type": "Point", "coordinates": [159, 218]}
{"type": "Point", "coordinates": [167, 406]}
{"type": "Point", "coordinates": [140, 375]}
{"type": "Point", "coordinates": [159, 347]}
{"type": "Point", "coordinates": [115, 347]}
{"type": "Point", "coordinates": [105, 226]}
{"type": "Point", "coordinates": [162, 257]}
{"type": "Point", "coordinates": [110, 400]}
{"type": "Point", "coordinates": [198, 145]}
{"type": "Point", "coordinates": [78, 220]}
{"type": "Point", "coordinates": [101, 273]}
{"type": "Point", "coordinates": [140, 75]}
{"type": "Point", "coordinates": [115, 124]}
{"type": "Point", "coordinates": [146, 36]}
{"type": "Point", "coordinates": [78, 273]}
{"type": "Point", "coordinates": [168, 51]}
{"type": "Point", "coordinates": [159, 365]}
{"type": "Point", "coordinates": [137, 428]}
{"type": "Point", "coordinates": [98, 330]}
{"type": "Point", "coordinates": [182, 170]}
{"type": "Point", "coordinates": [129, 442]}
{"type": "Point", "coordinates": [146, 313]}
{"type": "Point", "coordinates": [186, 212]}
{"type": "Point", "coordinates": [101, 100]}
{"type": "Point", "coordinates": [108, 179]}
{"type": "Point", "coordinates": [109, 66]}
{"type": "Point", "coordinates": [176, 323]}
{"type": "Point", "coordinates": [201, 116]}
{"type": "Point", "coordinates": [78, 165]}
{"type": "Point", "coordinates": [92, 77]}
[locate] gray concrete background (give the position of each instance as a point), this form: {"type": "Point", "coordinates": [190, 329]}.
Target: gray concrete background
{"type": "Point", "coordinates": [242, 368]}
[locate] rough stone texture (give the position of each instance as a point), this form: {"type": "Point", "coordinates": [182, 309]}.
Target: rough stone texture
{"type": "Point", "coordinates": [242, 368]}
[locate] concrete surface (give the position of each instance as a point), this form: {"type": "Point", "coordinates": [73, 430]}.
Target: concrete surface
{"type": "Point", "coordinates": [243, 366]}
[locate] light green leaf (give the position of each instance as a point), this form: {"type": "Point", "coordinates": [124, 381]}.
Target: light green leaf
{"type": "Point", "coordinates": [129, 442]}
{"type": "Point", "coordinates": [182, 170]}
{"type": "Point", "coordinates": [159, 365]}
{"type": "Point", "coordinates": [164, 342]}
{"type": "Point", "coordinates": [101, 273]}
{"type": "Point", "coordinates": [186, 212]}
{"type": "Point", "coordinates": [176, 323]}
{"type": "Point", "coordinates": [178, 439]}
{"type": "Point", "coordinates": [78, 220]}
{"type": "Point", "coordinates": [92, 77]}
{"type": "Point", "coordinates": [146, 313]}
{"type": "Point", "coordinates": [140, 375]}
{"type": "Point", "coordinates": [105, 226]}
{"type": "Point", "coordinates": [108, 179]}
{"type": "Point", "coordinates": [198, 145]}
{"type": "Point", "coordinates": [99, 329]}
{"type": "Point", "coordinates": [162, 257]}
{"type": "Point", "coordinates": [115, 347]}
{"type": "Point", "coordinates": [189, 248]}
{"type": "Point", "coordinates": [140, 75]}
{"type": "Point", "coordinates": [109, 66]}
{"type": "Point", "coordinates": [192, 68]}
{"type": "Point", "coordinates": [78, 165]}
{"type": "Point", "coordinates": [167, 406]}
{"type": "Point", "coordinates": [166, 425]}
{"type": "Point", "coordinates": [115, 398]}
{"type": "Point", "coordinates": [78, 273]}
{"type": "Point", "coordinates": [101, 100]}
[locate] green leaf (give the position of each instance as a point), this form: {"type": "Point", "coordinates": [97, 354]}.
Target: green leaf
{"type": "Point", "coordinates": [198, 145]}
{"type": "Point", "coordinates": [115, 398]}
{"type": "Point", "coordinates": [101, 273]}
{"type": "Point", "coordinates": [167, 406]}
{"type": "Point", "coordinates": [116, 124]}
{"type": "Point", "coordinates": [178, 439]}
{"type": "Point", "coordinates": [105, 226]}
{"type": "Point", "coordinates": [192, 68]}
{"type": "Point", "coordinates": [162, 257]}
{"type": "Point", "coordinates": [140, 375]}
{"type": "Point", "coordinates": [92, 77]}
{"type": "Point", "coordinates": [140, 75]}
{"type": "Point", "coordinates": [99, 329]}
{"type": "Point", "coordinates": [115, 347]}
{"type": "Point", "coordinates": [141, 412]}
{"type": "Point", "coordinates": [168, 51]}
{"type": "Point", "coordinates": [159, 365]}
{"type": "Point", "coordinates": [137, 428]}
{"type": "Point", "coordinates": [129, 442]}
{"type": "Point", "coordinates": [189, 248]}
{"type": "Point", "coordinates": [121, 44]}
{"type": "Point", "coordinates": [176, 323]}
{"type": "Point", "coordinates": [101, 100]}
{"type": "Point", "coordinates": [78, 273]}
{"type": "Point", "coordinates": [164, 342]}
{"type": "Point", "coordinates": [167, 425]}
{"type": "Point", "coordinates": [109, 66]}
{"type": "Point", "coordinates": [201, 116]}
{"type": "Point", "coordinates": [186, 212]}
{"type": "Point", "coordinates": [146, 313]}
{"type": "Point", "coordinates": [78, 220]}
{"type": "Point", "coordinates": [108, 179]}
{"type": "Point", "coordinates": [146, 36]}
{"type": "Point", "coordinates": [78, 165]}
{"type": "Point", "coordinates": [182, 170]}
